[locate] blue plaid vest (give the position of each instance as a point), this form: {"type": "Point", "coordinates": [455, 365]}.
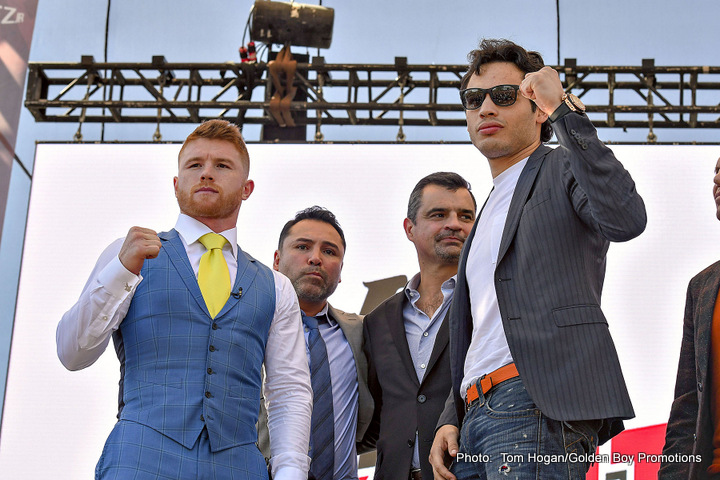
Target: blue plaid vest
{"type": "Point", "coordinates": [181, 370]}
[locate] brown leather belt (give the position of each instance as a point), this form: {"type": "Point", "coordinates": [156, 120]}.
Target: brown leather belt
{"type": "Point", "coordinates": [415, 474]}
{"type": "Point", "coordinates": [491, 379]}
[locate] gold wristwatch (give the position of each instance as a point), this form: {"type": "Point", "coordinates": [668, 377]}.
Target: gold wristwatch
{"type": "Point", "coordinates": [570, 103]}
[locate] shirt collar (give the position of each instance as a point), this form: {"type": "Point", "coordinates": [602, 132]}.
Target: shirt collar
{"type": "Point", "coordinates": [449, 284]}
{"type": "Point", "coordinates": [411, 287]}
{"type": "Point", "coordinates": [191, 230]}
{"type": "Point", "coordinates": [326, 312]}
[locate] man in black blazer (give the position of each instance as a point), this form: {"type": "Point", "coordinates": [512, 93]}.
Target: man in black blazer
{"type": "Point", "coordinates": [534, 369]}
{"type": "Point", "coordinates": [690, 451]}
{"type": "Point", "coordinates": [406, 337]}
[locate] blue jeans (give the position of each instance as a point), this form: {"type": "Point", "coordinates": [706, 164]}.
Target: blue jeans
{"type": "Point", "coordinates": [505, 436]}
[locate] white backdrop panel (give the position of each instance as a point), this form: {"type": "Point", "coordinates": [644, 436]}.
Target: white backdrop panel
{"type": "Point", "coordinates": [85, 196]}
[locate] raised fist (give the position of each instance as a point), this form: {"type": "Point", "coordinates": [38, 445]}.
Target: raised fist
{"type": "Point", "coordinates": [544, 88]}
{"type": "Point", "coordinates": [140, 244]}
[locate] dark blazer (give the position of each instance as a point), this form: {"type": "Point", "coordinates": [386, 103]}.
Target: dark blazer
{"type": "Point", "coordinates": [351, 326]}
{"type": "Point", "coordinates": [689, 429]}
{"type": "Point", "coordinates": [402, 403]}
{"type": "Point", "coordinates": [569, 203]}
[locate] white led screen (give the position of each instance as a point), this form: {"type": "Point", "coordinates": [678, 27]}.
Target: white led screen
{"type": "Point", "coordinates": [84, 196]}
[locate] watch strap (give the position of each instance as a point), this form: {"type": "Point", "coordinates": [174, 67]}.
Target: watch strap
{"type": "Point", "coordinates": [559, 112]}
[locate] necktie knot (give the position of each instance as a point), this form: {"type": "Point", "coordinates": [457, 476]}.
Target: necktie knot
{"type": "Point", "coordinates": [212, 241]}
{"type": "Point", "coordinates": [310, 322]}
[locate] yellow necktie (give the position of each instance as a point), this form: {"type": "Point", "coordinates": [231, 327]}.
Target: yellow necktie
{"type": "Point", "coordinates": [213, 274]}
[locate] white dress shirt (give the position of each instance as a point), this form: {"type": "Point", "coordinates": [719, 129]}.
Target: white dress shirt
{"type": "Point", "coordinates": [488, 349]}
{"type": "Point", "coordinates": [85, 330]}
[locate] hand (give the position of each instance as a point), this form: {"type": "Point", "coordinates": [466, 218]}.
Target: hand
{"type": "Point", "coordinates": [544, 88]}
{"type": "Point", "coordinates": [140, 243]}
{"type": "Point", "coordinates": [444, 446]}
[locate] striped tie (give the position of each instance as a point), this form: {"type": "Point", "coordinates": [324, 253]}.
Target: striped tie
{"type": "Point", "coordinates": [213, 273]}
{"type": "Point", "coordinates": [322, 449]}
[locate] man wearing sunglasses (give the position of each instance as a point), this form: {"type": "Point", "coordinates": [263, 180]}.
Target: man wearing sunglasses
{"type": "Point", "coordinates": [536, 379]}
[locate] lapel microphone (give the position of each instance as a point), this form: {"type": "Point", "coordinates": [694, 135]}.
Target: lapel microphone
{"type": "Point", "coordinates": [237, 294]}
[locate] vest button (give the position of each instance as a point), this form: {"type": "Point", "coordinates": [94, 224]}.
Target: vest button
{"type": "Point", "coordinates": [411, 443]}
{"type": "Point", "coordinates": [207, 395]}
{"type": "Point", "coordinates": [421, 398]}
{"type": "Point", "coordinates": [214, 326]}
{"type": "Point", "coordinates": [210, 371]}
{"type": "Point", "coordinates": [202, 418]}
{"type": "Point", "coordinates": [212, 348]}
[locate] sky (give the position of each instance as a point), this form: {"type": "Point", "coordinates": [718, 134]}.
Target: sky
{"type": "Point", "coordinates": [612, 32]}
{"type": "Point", "coordinates": [372, 31]}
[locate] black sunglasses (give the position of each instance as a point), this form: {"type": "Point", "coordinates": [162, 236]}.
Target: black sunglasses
{"type": "Point", "coordinates": [501, 95]}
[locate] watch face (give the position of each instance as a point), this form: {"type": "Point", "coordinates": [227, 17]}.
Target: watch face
{"type": "Point", "coordinates": [575, 103]}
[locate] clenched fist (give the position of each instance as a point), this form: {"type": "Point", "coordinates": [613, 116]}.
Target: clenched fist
{"type": "Point", "coordinates": [544, 88]}
{"type": "Point", "coordinates": [140, 244]}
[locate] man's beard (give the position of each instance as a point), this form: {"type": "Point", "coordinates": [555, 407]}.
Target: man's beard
{"type": "Point", "coordinates": [446, 256]}
{"type": "Point", "coordinates": [449, 253]}
{"type": "Point", "coordinates": [222, 207]}
{"type": "Point", "coordinates": [312, 292]}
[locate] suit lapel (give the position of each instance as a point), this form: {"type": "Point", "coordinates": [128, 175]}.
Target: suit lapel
{"type": "Point", "coordinates": [520, 196]}
{"type": "Point", "coordinates": [246, 273]}
{"type": "Point", "coordinates": [396, 325]}
{"type": "Point", "coordinates": [703, 325]}
{"type": "Point", "coordinates": [178, 258]}
{"type": "Point", "coordinates": [352, 334]}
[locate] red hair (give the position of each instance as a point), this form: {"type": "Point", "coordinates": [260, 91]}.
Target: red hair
{"type": "Point", "coordinates": [217, 129]}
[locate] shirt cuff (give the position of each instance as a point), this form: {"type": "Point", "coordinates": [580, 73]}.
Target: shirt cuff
{"type": "Point", "coordinates": [118, 280]}
{"type": "Point", "coordinates": [290, 473]}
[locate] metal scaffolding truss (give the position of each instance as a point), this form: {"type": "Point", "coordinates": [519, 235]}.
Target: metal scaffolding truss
{"type": "Point", "coordinates": [645, 96]}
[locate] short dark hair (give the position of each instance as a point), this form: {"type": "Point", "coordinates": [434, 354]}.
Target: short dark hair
{"type": "Point", "coordinates": [450, 180]}
{"type": "Point", "coordinates": [493, 50]}
{"type": "Point", "coordinates": [312, 213]}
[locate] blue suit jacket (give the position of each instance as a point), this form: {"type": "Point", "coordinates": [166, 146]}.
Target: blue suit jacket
{"type": "Point", "coordinates": [569, 203]}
